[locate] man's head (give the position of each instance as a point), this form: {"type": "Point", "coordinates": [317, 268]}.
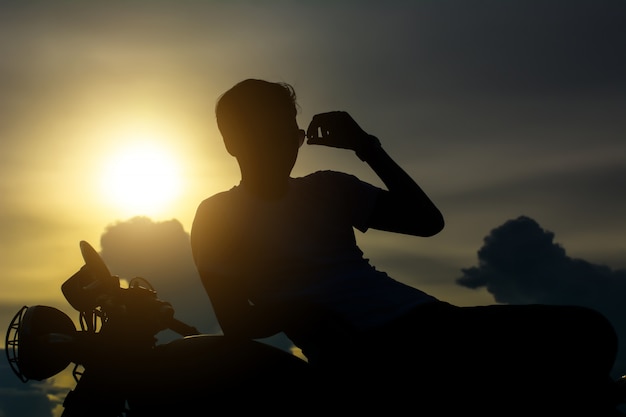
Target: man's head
{"type": "Point", "coordinates": [255, 112]}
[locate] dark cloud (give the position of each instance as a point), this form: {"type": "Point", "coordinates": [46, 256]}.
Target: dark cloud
{"type": "Point", "coordinates": [520, 263]}
{"type": "Point", "coordinates": [18, 399]}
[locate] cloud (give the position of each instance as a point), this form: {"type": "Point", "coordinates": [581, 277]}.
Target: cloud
{"type": "Point", "coordinates": [520, 263]}
{"type": "Point", "coordinates": [32, 399]}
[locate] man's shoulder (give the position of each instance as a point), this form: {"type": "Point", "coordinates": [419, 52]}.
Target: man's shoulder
{"type": "Point", "coordinates": [325, 175]}
{"type": "Point", "coordinates": [330, 180]}
{"type": "Point", "coordinates": [215, 204]}
{"type": "Point", "coordinates": [218, 198]}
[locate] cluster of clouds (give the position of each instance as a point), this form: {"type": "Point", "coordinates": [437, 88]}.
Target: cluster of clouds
{"type": "Point", "coordinates": [520, 263]}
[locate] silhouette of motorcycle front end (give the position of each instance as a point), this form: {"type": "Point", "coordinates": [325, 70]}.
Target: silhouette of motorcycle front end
{"type": "Point", "coordinates": [121, 370]}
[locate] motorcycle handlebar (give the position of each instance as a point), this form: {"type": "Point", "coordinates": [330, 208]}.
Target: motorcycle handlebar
{"type": "Point", "coordinates": [182, 329]}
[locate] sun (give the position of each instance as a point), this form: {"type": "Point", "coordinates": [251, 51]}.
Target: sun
{"type": "Point", "coordinates": [141, 178]}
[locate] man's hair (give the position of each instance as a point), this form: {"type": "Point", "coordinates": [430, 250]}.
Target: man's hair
{"type": "Point", "coordinates": [246, 107]}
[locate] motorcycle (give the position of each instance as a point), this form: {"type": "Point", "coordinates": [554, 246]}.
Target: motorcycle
{"type": "Point", "coordinates": [121, 371]}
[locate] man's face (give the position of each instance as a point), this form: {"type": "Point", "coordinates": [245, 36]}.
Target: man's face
{"type": "Point", "coordinates": [271, 144]}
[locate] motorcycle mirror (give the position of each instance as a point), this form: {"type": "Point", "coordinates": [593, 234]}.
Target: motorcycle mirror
{"type": "Point", "coordinates": [84, 289]}
{"type": "Point", "coordinates": [94, 262]}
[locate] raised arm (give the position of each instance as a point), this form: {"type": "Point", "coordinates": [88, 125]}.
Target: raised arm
{"type": "Point", "coordinates": [404, 207]}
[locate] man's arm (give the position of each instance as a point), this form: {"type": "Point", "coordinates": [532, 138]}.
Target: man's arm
{"type": "Point", "coordinates": [236, 316]}
{"type": "Point", "coordinates": [404, 207]}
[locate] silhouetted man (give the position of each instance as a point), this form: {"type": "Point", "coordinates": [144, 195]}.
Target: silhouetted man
{"type": "Point", "coordinates": [278, 254]}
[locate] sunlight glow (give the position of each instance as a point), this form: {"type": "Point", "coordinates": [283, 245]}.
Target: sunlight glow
{"type": "Point", "coordinates": [141, 178]}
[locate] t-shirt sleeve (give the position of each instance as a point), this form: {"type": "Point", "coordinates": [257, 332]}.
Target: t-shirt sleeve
{"type": "Point", "coordinates": [358, 197]}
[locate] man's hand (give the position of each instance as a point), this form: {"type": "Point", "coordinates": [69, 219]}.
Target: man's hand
{"type": "Point", "coordinates": [338, 130]}
{"type": "Point", "coordinates": [403, 207]}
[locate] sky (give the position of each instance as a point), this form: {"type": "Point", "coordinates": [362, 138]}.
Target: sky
{"type": "Point", "coordinates": [510, 115]}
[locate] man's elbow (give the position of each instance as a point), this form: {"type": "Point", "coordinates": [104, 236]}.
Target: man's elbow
{"type": "Point", "coordinates": [434, 226]}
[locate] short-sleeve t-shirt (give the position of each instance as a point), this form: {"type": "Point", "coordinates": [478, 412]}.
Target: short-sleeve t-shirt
{"type": "Point", "coordinates": [302, 246]}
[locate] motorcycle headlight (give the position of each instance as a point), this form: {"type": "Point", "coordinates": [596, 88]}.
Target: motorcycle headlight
{"type": "Point", "coordinates": [38, 342]}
